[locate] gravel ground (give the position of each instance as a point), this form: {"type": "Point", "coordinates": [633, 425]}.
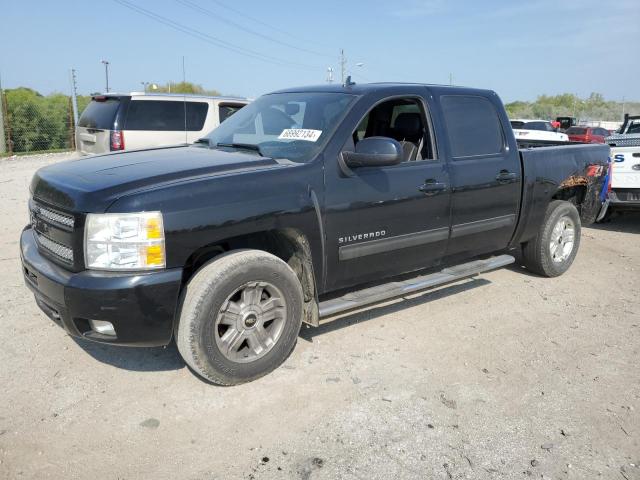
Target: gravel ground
{"type": "Point", "coordinates": [505, 376]}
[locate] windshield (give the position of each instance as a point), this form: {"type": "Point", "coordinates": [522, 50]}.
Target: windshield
{"type": "Point", "coordinates": [294, 126]}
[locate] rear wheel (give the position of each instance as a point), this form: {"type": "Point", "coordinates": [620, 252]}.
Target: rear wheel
{"type": "Point", "coordinates": [554, 248]}
{"type": "Point", "coordinates": [240, 317]}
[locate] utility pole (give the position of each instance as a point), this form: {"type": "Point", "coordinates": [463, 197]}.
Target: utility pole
{"type": "Point", "coordinates": [3, 139]}
{"type": "Point", "coordinates": [451, 79]}
{"type": "Point", "coordinates": [343, 65]}
{"type": "Point", "coordinates": [106, 72]}
{"type": "Point", "coordinates": [623, 109]}
{"type": "Point", "coordinates": [74, 96]}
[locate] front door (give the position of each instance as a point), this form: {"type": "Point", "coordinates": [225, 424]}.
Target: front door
{"type": "Point", "coordinates": [384, 221]}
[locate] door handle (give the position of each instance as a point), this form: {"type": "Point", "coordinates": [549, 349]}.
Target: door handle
{"type": "Point", "coordinates": [505, 176]}
{"type": "Point", "coordinates": [431, 187]}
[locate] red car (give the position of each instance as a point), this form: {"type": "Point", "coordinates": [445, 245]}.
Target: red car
{"type": "Point", "coordinates": [587, 134]}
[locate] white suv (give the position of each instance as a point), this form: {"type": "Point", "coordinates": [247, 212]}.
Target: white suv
{"type": "Point", "coordinates": [114, 122]}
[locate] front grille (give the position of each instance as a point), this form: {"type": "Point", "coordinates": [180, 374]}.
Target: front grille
{"type": "Point", "coordinates": [61, 251]}
{"type": "Point", "coordinates": [57, 234]}
{"type": "Point", "coordinates": [54, 217]}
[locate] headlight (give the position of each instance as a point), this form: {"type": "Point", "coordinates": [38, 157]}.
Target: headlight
{"type": "Point", "coordinates": [124, 241]}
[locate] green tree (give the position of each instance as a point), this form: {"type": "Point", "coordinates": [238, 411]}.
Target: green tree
{"type": "Point", "coordinates": [594, 107]}
{"type": "Point", "coordinates": [36, 122]}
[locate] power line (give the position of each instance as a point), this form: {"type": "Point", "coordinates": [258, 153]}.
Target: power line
{"type": "Point", "coordinates": [218, 17]}
{"type": "Point", "coordinates": [258, 21]}
{"type": "Point", "coordinates": [211, 39]}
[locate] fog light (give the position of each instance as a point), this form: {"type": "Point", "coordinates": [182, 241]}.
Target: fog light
{"type": "Point", "coordinates": [100, 326]}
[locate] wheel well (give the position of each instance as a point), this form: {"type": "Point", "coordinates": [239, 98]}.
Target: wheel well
{"type": "Point", "coordinates": [574, 194]}
{"type": "Point", "coordinates": [580, 192]}
{"type": "Point", "coordinates": [289, 245]}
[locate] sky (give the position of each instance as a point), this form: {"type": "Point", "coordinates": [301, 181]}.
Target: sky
{"type": "Point", "coordinates": [520, 49]}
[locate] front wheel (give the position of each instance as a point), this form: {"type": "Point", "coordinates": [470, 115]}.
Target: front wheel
{"type": "Point", "coordinates": [554, 248]}
{"type": "Point", "coordinates": [240, 317]}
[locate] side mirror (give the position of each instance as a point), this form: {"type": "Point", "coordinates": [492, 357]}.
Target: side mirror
{"type": "Point", "coordinates": [374, 152]}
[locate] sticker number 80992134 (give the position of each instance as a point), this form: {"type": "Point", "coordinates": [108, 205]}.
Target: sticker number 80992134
{"type": "Point", "coordinates": [300, 134]}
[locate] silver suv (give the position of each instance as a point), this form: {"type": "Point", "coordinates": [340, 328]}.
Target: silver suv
{"type": "Point", "coordinates": [113, 122]}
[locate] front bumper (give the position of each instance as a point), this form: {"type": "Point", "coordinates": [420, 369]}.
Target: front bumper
{"type": "Point", "coordinates": [140, 306]}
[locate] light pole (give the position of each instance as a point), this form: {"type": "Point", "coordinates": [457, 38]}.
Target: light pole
{"type": "Point", "coordinates": [106, 72]}
{"type": "Point", "coordinates": [329, 74]}
{"type": "Point", "coordinates": [144, 86]}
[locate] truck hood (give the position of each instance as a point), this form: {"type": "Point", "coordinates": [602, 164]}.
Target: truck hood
{"type": "Point", "coordinates": [91, 184]}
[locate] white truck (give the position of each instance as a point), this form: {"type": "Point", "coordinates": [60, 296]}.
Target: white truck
{"type": "Point", "coordinates": [625, 158]}
{"type": "Point", "coordinates": [525, 130]}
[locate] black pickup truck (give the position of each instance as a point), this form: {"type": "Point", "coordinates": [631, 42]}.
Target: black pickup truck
{"type": "Point", "coordinates": [307, 203]}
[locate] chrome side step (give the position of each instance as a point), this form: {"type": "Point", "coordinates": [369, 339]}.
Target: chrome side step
{"type": "Point", "coordinates": [388, 291]}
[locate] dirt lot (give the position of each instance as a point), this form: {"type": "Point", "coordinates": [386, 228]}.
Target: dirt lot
{"type": "Point", "coordinates": [505, 376]}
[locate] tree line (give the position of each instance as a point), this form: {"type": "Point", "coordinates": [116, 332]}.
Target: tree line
{"type": "Point", "coordinates": [594, 107]}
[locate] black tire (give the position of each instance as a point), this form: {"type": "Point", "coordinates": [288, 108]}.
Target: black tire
{"type": "Point", "coordinates": [207, 298]}
{"type": "Point", "coordinates": [537, 253]}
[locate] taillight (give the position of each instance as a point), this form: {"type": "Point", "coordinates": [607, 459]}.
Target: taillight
{"type": "Point", "coordinates": [117, 140]}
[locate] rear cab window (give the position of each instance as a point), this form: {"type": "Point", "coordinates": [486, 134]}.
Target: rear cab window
{"type": "Point", "coordinates": [576, 131]}
{"type": "Point", "coordinates": [473, 126]}
{"type": "Point", "coordinates": [163, 115]}
{"type": "Point", "coordinates": [100, 114]}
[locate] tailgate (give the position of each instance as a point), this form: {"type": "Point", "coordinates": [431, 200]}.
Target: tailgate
{"type": "Point", "coordinates": [93, 134]}
{"type": "Point", "coordinates": [626, 167]}
{"type": "Point", "coordinates": [90, 141]}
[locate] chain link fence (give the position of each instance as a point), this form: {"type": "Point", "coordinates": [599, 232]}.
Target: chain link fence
{"type": "Point", "coordinates": [34, 123]}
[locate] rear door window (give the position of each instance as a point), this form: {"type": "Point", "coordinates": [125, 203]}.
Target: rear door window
{"type": "Point", "coordinates": [161, 115]}
{"type": "Point", "coordinates": [100, 114]}
{"type": "Point", "coordinates": [473, 126]}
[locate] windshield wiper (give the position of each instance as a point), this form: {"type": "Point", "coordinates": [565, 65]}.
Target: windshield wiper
{"type": "Point", "coordinates": [244, 146]}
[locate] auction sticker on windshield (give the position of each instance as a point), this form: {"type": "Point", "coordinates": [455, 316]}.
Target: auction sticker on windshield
{"type": "Point", "coordinates": [300, 134]}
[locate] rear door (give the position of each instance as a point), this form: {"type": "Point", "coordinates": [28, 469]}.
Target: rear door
{"type": "Point", "coordinates": [99, 118]}
{"type": "Point", "coordinates": [484, 167]}
{"type": "Point", "coordinates": [155, 123]}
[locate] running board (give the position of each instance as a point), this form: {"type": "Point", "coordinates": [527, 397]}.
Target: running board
{"type": "Point", "coordinates": [388, 291]}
